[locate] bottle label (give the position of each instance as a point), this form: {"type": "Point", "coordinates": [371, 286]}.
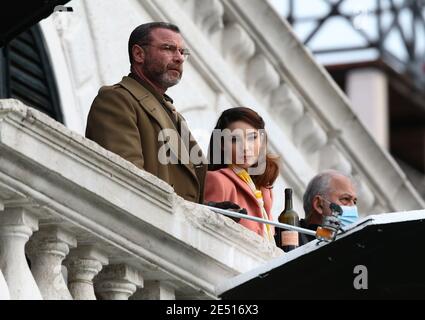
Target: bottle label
{"type": "Point", "coordinates": [289, 238]}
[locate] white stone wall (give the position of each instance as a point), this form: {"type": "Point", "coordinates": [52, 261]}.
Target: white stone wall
{"type": "Point", "coordinates": [368, 91]}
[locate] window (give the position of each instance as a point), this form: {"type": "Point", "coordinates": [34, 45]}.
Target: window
{"type": "Point", "coordinates": [26, 74]}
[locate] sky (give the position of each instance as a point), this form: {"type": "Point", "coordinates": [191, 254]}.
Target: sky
{"type": "Point", "coordinates": [337, 32]}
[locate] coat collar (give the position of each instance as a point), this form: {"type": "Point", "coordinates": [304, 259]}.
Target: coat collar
{"type": "Point", "coordinates": [153, 107]}
{"type": "Point", "coordinates": [240, 183]}
{"type": "Point", "coordinates": [148, 101]}
{"type": "Point", "coordinates": [150, 88]}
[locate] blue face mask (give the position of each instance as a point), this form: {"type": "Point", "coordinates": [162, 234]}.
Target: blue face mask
{"type": "Point", "coordinates": [349, 215]}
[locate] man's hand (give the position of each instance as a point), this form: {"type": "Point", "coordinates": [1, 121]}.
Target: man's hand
{"type": "Point", "coordinates": [228, 205]}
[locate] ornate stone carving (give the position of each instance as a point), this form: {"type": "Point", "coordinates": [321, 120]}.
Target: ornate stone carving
{"type": "Point", "coordinates": [16, 226]}
{"type": "Point", "coordinates": [209, 15]}
{"type": "Point", "coordinates": [118, 282]}
{"type": "Point", "coordinates": [83, 264]}
{"type": "Point", "coordinates": [331, 158]}
{"type": "Point", "coordinates": [308, 135]}
{"type": "Point", "coordinates": [261, 75]}
{"type": "Point", "coordinates": [47, 248]}
{"type": "Point", "coordinates": [237, 44]}
{"type": "Point", "coordinates": [155, 290]}
{"type": "Point", "coordinates": [286, 105]}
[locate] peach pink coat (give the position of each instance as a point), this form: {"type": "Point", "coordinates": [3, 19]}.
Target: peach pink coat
{"type": "Point", "coordinates": [225, 185]}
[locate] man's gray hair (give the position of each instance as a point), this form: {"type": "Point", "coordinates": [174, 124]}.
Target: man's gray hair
{"type": "Point", "coordinates": [319, 185]}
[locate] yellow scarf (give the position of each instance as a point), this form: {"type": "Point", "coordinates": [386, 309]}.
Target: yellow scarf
{"type": "Point", "coordinates": [244, 175]}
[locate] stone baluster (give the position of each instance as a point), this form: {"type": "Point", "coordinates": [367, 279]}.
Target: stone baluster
{"type": "Point", "coordinates": [332, 158]}
{"type": "Point", "coordinates": [308, 135]}
{"type": "Point", "coordinates": [46, 250]}
{"type": "Point", "coordinates": [16, 227]}
{"type": "Point", "coordinates": [155, 290]}
{"type": "Point", "coordinates": [209, 15]}
{"type": "Point", "coordinates": [262, 76]}
{"type": "Point", "coordinates": [83, 264]}
{"type": "Point", "coordinates": [287, 106]}
{"type": "Point", "coordinates": [237, 44]}
{"type": "Point", "coordinates": [4, 290]}
{"type": "Point", "coordinates": [117, 282]}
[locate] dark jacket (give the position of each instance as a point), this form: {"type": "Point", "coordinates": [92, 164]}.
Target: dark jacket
{"type": "Point", "coordinates": [304, 238]}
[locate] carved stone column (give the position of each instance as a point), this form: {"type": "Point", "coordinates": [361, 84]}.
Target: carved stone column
{"type": "Point", "coordinates": [262, 76]}
{"type": "Point", "coordinates": [46, 250]}
{"type": "Point", "coordinates": [209, 15]}
{"type": "Point", "coordinates": [155, 290]}
{"type": "Point", "coordinates": [83, 264]}
{"type": "Point", "coordinates": [308, 135]}
{"type": "Point", "coordinates": [287, 107]}
{"type": "Point", "coordinates": [16, 227]}
{"type": "Point", "coordinates": [117, 282]}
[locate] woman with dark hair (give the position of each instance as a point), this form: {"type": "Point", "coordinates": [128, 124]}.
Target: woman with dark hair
{"type": "Point", "coordinates": [240, 169]}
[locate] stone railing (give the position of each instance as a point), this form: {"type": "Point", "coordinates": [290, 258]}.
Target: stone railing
{"type": "Point", "coordinates": [92, 225]}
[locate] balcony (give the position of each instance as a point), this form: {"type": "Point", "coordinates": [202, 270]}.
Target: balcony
{"type": "Point", "coordinates": [79, 222]}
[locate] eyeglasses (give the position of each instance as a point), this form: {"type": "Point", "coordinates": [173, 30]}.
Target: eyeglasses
{"type": "Point", "coordinates": [172, 49]}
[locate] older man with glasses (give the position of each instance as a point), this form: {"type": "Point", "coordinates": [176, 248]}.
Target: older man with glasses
{"type": "Point", "coordinates": [327, 187]}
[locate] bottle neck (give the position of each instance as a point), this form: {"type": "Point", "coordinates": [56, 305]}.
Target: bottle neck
{"type": "Point", "coordinates": [288, 199]}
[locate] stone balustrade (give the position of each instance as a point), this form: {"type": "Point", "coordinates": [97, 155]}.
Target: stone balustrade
{"type": "Point", "coordinates": [46, 251]}
{"type": "Point", "coordinates": [209, 15]}
{"type": "Point", "coordinates": [79, 222]}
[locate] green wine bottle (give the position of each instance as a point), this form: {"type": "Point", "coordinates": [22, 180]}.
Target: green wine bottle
{"type": "Point", "coordinates": [288, 238]}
